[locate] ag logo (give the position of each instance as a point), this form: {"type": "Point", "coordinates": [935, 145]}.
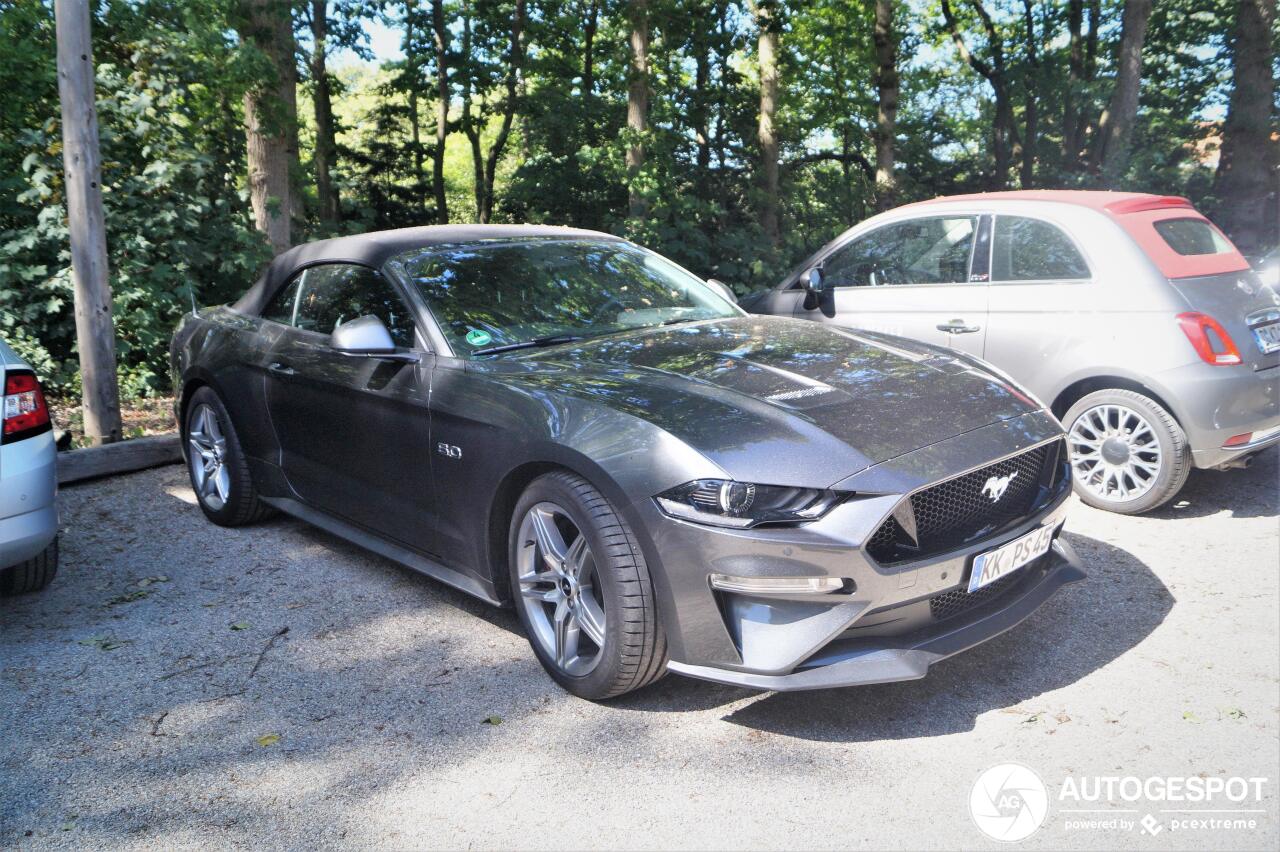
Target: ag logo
{"type": "Point", "coordinates": [995, 486]}
{"type": "Point", "coordinates": [1008, 802]}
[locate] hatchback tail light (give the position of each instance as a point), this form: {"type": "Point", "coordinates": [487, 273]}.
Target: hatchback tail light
{"type": "Point", "coordinates": [1210, 339]}
{"type": "Point", "coordinates": [25, 411]}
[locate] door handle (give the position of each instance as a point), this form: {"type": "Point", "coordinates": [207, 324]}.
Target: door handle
{"type": "Point", "coordinates": [957, 326]}
{"type": "Point", "coordinates": [280, 369]}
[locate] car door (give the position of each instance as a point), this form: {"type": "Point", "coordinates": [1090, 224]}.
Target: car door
{"type": "Point", "coordinates": [354, 432]}
{"type": "Point", "coordinates": [914, 278]}
{"type": "Point", "coordinates": [1042, 308]}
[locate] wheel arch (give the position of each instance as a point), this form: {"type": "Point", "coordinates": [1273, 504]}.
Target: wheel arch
{"type": "Point", "coordinates": [513, 483]}
{"type": "Point", "coordinates": [1081, 388]}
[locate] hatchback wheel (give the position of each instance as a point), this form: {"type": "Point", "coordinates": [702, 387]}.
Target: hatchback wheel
{"type": "Point", "coordinates": [218, 468]}
{"type": "Point", "coordinates": [582, 590]}
{"type": "Point", "coordinates": [1128, 454]}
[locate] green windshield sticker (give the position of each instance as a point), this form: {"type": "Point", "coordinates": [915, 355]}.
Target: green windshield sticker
{"type": "Point", "coordinates": [478, 337]}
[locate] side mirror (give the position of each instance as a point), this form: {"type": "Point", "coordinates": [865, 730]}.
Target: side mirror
{"type": "Point", "coordinates": [367, 337]}
{"type": "Point", "coordinates": [723, 289]}
{"type": "Point", "coordinates": [811, 279]}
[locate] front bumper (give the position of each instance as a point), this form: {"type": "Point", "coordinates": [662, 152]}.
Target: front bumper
{"type": "Point", "coordinates": [882, 625]}
{"type": "Point", "coordinates": [861, 661]}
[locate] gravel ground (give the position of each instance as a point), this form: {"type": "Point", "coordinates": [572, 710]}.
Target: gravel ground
{"type": "Point", "coordinates": [185, 686]}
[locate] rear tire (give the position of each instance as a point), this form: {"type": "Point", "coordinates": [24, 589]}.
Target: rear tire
{"type": "Point", "coordinates": [1128, 454]}
{"type": "Point", "coordinates": [217, 465]}
{"type": "Point", "coordinates": [31, 575]}
{"type": "Point", "coordinates": [602, 577]}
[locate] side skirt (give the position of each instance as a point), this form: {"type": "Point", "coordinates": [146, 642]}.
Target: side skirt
{"type": "Point", "coordinates": [382, 547]}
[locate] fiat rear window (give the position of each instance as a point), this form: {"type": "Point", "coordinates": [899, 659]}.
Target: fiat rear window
{"type": "Point", "coordinates": [1192, 237]}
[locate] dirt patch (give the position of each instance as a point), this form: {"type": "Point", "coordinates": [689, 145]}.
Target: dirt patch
{"type": "Point", "coordinates": [140, 417]}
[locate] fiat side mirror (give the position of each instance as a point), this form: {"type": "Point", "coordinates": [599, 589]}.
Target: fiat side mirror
{"type": "Point", "coordinates": [811, 279]}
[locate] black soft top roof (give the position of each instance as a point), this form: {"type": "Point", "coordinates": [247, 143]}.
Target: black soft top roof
{"type": "Point", "coordinates": [375, 248]}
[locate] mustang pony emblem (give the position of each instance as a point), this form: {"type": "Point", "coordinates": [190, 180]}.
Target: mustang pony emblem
{"type": "Point", "coordinates": [995, 486]}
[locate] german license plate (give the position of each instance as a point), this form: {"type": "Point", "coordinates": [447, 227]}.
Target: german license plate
{"type": "Point", "coordinates": [1268, 337]}
{"type": "Point", "coordinates": [1003, 561]}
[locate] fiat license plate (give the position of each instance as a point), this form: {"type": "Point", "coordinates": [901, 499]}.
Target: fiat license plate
{"type": "Point", "coordinates": [1268, 337]}
{"type": "Point", "coordinates": [1003, 561]}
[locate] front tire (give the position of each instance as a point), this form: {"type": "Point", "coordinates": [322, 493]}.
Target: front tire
{"type": "Point", "coordinates": [32, 575]}
{"type": "Point", "coordinates": [217, 465]}
{"type": "Point", "coordinates": [1128, 454]}
{"type": "Point", "coordinates": [582, 590]}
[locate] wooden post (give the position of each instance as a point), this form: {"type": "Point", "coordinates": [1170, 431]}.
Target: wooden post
{"type": "Point", "coordinates": [95, 331]}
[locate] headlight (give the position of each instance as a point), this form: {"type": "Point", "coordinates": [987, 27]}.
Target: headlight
{"type": "Point", "coordinates": [726, 503]}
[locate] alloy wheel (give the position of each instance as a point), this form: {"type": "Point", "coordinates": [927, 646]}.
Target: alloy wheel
{"type": "Point", "coordinates": [207, 458]}
{"type": "Point", "coordinates": [560, 589]}
{"type": "Point", "coordinates": [1115, 453]}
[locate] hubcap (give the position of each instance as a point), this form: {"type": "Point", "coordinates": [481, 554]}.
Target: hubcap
{"type": "Point", "coordinates": [1115, 454]}
{"type": "Point", "coordinates": [207, 458]}
{"type": "Point", "coordinates": [560, 589]}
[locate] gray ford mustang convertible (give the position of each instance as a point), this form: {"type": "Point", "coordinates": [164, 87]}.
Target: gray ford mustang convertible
{"type": "Point", "coordinates": [565, 421]}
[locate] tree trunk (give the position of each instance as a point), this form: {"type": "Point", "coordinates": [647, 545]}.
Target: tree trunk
{"type": "Point", "coordinates": [468, 120]}
{"type": "Point", "coordinates": [1075, 75]}
{"type": "Point", "coordinates": [1110, 153]}
{"type": "Point", "coordinates": [515, 65]}
{"type": "Point", "coordinates": [271, 118]}
{"type": "Point", "coordinates": [768, 55]}
{"type": "Point", "coordinates": [82, 164]}
{"type": "Point", "coordinates": [1249, 165]}
{"type": "Point", "coordinates": [441, 31]}
{"type": "Point", "coordinates": [589, 72]}
{"type": "Point", "coordinates": [326, 144]}
{"type": "Point", "coordinates": [415, 115]}
{"type": "Point", "coordinates": [637, 103]}
{"type": "Point", "coordinates": [1030, 105]}
{"type": "Point", "coordinates": [886, 44]}
{"type": "Point", "coordinates": [700, 106]}
{"type": "Point", "coordinates": [1003, 132]}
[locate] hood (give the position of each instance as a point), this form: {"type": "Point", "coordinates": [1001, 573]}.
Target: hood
{"type": "Point", "coordinates": [798, 402]}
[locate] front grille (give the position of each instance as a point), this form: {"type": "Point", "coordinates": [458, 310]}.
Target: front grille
{"type": "Point", "coordinates": [949, 604]}
{"type": "Point", "coordinates": [953, 513]}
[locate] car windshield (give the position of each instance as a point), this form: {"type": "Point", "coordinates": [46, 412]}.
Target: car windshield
{"type": "Point", "coordinates": [492, 294]}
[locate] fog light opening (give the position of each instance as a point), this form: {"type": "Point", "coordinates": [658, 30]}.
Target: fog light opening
{"type": "Point", "coordinates": [781, 585]}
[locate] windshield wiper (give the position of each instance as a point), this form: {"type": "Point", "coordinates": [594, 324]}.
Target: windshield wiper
{"type": "Point", "coordinates": [549, 340]}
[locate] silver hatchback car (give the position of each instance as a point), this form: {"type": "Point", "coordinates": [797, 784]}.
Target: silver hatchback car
{"type": "Point", "coordinates": [1130, 315]}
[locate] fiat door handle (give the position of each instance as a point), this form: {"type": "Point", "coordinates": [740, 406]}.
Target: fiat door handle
{"type": "Point", "coordinates": [280, 369]}
{"type": "Point", "coordinates": [957, 326]}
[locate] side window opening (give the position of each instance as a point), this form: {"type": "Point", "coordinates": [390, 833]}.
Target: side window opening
{"type": "Point", "coordinates": [1033, 250]}
{"type": "Point", "coordinates": [283, 305]}
{"type": "Point", "coordinates": [335, 293]}
{"type": "Point", "coordinates": [934, 250]}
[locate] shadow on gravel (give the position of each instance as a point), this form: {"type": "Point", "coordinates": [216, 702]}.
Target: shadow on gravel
{"type": "Point", "coordinates": [1250, 493]}
{"type": "Point", "coordinates": [1075, 633]}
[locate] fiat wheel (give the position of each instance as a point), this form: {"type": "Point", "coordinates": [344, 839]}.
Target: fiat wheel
{"type": "Point", "coordinates": [1128, 454]}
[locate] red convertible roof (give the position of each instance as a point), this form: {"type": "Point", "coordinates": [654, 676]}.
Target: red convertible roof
{"type": "Point", "coordinates": [1137, 213]}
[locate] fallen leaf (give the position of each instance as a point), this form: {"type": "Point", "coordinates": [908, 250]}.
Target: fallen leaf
{"type": "Point", "coordinates": [1032, 719]}
{"type": "Point", "coordinates": [1190, 717]}
{"type": "Point", "coordinates": [1235, 713]}
{"type": "Point", "coordinates": [268, 739]}
{"type": "Point", "coordinates": [1062, 718]}
{"type": "Point", "coordinates": [240, 625]}
{"type": "Point", "coordinates": [147, 581]}
{"type": "Point", "coordinates": [104, 643]}
{"type": "Point", "coordinates": [492, 720]}
{"type": "Point", "coordinates": [129, 597]}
